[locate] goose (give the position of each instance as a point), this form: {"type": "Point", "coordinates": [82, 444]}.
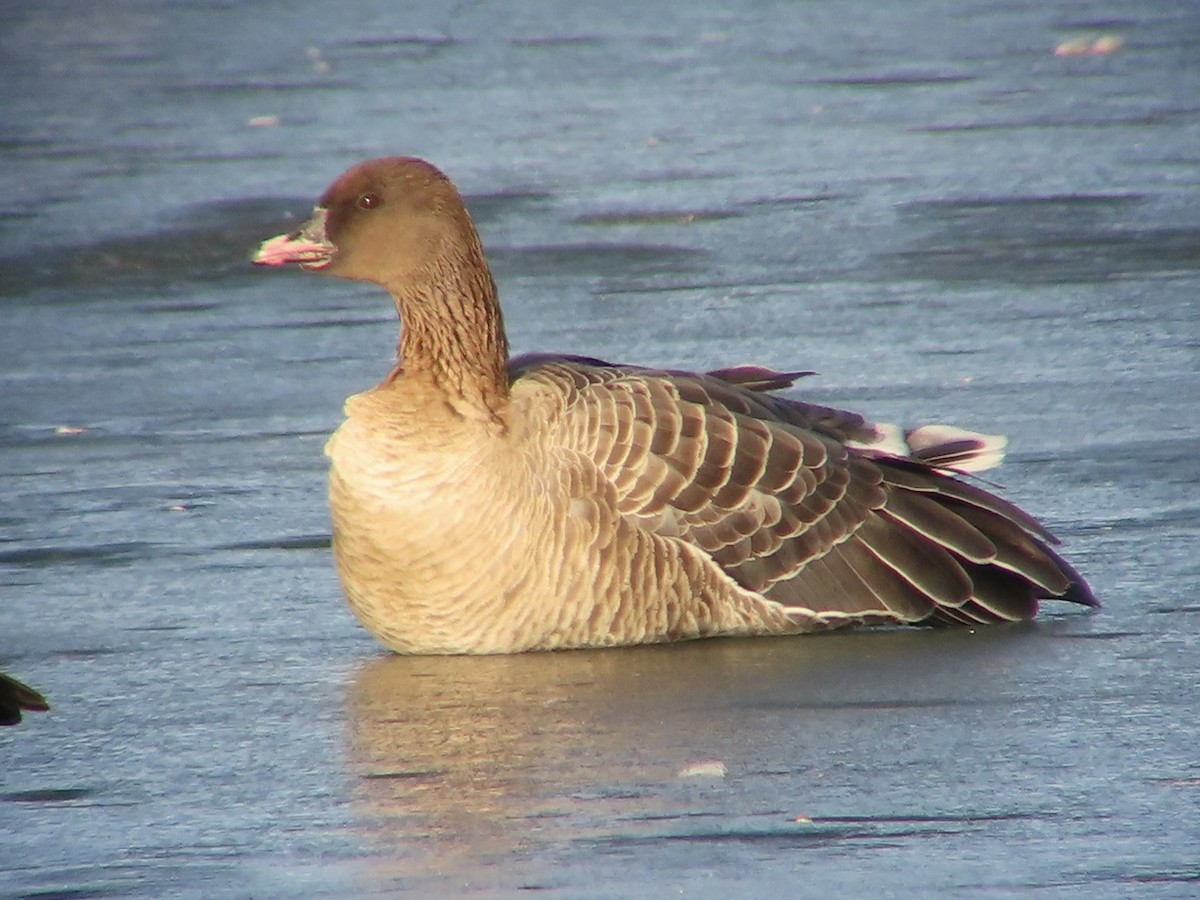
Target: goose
{"type": "Point", "coordinates": [482, 504]}
{"type": "Point", "coordinates": [15, 697]}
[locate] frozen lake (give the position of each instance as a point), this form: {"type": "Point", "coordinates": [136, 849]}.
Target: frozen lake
{"type": "Point", "coordinates": [922, 202]}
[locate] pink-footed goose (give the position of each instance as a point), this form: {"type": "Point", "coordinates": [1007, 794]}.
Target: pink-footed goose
{"type": "Point", "coordinates": [488, 505]}
{"type": "Point", "coordinates": [16, 698]}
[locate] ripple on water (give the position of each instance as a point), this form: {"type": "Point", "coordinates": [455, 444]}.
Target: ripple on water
{"type": "Point", "coordinates": [121, 553]}
{"type": "Point", "coordinates": [1083, 238]}
{"type": "Point", "coordinates": [48, 795]}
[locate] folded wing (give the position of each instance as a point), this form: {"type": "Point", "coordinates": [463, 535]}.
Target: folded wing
{"type": "Point", "coordinates": [811, 507]}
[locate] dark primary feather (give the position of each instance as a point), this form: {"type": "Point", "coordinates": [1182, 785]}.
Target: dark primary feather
{"type": "Point", "coordinates": [774, 491]}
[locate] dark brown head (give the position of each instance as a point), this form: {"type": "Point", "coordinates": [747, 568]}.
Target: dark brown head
{"type": "Point", "coordinates": [386, 221]}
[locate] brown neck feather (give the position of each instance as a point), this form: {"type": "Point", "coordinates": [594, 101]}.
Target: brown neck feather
{"type": "Point", "coordinates": [452, 331]}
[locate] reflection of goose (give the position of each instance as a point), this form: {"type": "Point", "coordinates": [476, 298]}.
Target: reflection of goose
{"type": "Point", "coordinates": [546, 768]}
{"type": "Point", "coordinates": [465, 760]}
{"type": "Point", "coordinates": [484, 505]}
{"type": "Point", "coordinates": [15, 697]}
{"type": "Point", "coordinates": [460, 758]}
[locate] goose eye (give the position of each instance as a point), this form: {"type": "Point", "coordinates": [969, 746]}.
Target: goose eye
{"type": "Point", "coordinates": [369, 201]}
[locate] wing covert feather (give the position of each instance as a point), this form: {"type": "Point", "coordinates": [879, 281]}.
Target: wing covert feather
{"type": "Point", "coordinates": [778, 496]}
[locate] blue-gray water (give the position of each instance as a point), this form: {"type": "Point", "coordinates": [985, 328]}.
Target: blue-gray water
{"type": "Point", "coordinates": [920, 201]}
